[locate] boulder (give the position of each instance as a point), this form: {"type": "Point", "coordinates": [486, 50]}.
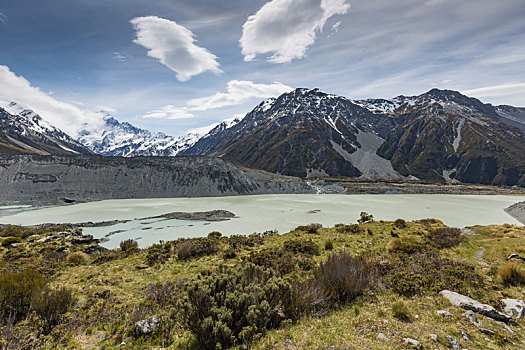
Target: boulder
{"type": "Point", "coordinates": [514, 307]}
{"type": "Point", "coordinates": [467, 303]}
{"type": "Point", "coordinates": [453, 343]}
{"type": "Point", "coordinates": [486, 331]}
{"type": "Point", "coordinates": [147, 326]}
{"type": "Point", "coordinates": [471, 316]}
{"type": "Point", "coordinates": [412, 342]}
{"type": "Point", "coordinates": [444, 313]}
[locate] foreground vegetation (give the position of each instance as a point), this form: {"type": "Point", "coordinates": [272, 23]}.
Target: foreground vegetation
{"type": "Point", "coordinates": [352, 286]}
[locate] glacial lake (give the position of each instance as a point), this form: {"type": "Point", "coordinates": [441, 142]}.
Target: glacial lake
{"type": "Point", "coordinates": [266, 212]}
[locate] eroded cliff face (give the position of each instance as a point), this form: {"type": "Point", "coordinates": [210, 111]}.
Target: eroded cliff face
{"type": "Point", "coordinates": [39, 180]}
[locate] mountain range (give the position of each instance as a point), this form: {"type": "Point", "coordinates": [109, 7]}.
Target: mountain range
{"type": "Point", "coordinates": [439, 136]}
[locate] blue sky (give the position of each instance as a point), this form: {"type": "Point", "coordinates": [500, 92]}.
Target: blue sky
{"type": "Point", "coordinates": [174, 66]}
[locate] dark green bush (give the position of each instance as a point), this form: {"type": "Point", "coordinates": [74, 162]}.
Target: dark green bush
{"type": "Point", "coordinates": [311, 228]}
{"type": "Point", "coordinates": [51, 304]}
{"type": "Point", "coordinates": [129, 246]}
{"type": "Point", "coordinates": [308, 297]}
{"type": "Point", "coordinates": [281, 260]}
{"type": "Point", "coordinates": [159, 253]}
{"type": "Point", "coordinates": [196, 247]}
{"type": "Point", "coordinates": [446, 237]}
{"type": "Point", "coordinates": [407, 283]}
{"type": "Point", "coordinates": [400, 223]}
{"type": "Point", "coordinates": [214, 235]}
{"type": "Point", "coordinates": [238, 241]}
{"type": "Point", "coordinates": [354, 228]}
{"type": "Point", "coordinates": [365, 217]}
{"type": "Point", "coordinates": [232, 306]}
{"type": "Point", "coordinates": [106, 256]}
{"type": "Point", "coordinates": [303, 246]}
{"type": "Point", "coordinates": [328, 245]}
{"type": "Point", "coordinates": [16, 291]}
{"type": "Point", "coordinates": [164, 293]}
{"type": "Point", "coordinates": [345, 277]}
{"type": "Point", "coordinates": [77, 259]}
{"type": "Point", "coordinates": [6, 242]}
{"type": "Point", "coordinates": [229, 253]}
{"type": "Point", "coordinates": [401, 311]}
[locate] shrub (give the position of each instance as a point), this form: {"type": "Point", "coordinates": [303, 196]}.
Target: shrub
{"type": "Point", "coordinates": [354, 228]}
{"type": "Point", "coordinates": [328, 245]}
{"type": "Point", "coordinates": [214, 235]}
{"type": "Point", "coordinates": [232, 306]}
{"type": "Point", "coordinates": [345, 277]}
{"type": "Point", "coordinates": [365, 217]}
{"type": "Point", "coordinates": [307, 296]}
{"type": "Point", "coordinates": [229, 253]}
{"type": "Point", "coordinates": [408, 284]}
{"type": "Point", "coordinates": [238, 241]}
{"type": "Point", "coordinates": [307, 247]}
{"type": "Point", "coordinates": [311, 228]}
{"type": "Point", "coordinates": [77, 258]}
{"type": "Point", "coordinates": [446, 237]}
{"type": "Point", "coordinates": [401, 311]}
{"type": "Point", "coordinates": [106, 256]}
{"type": "Point", "coordinates": [129, 246]}
{"type": "Point", "coordinates": [281, 260]}
{"type": "Point", "coordinates": [196, 247]}
{"type": "Point", "coordinates": [163, 293]}
{"type": "Point", "coordinates": [406, 244]}
{"type": "Point", "coordinates": [6, 242]}
{"type": "Point", "coordinates": [16, 290]}
{"type": "Point", "coordinates": [512, 274]}
{"type": "Point", "coordinates": [400, 223]}
{"type": "Point", "coordinates": [51, 304]}
{"type": "Point", "coordinates": [158, 253]}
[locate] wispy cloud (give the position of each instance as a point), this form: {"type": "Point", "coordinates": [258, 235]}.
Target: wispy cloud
{"type": "Point", "coordinates": [119, 57]}
{"type": "Point", "coordinates": [174, 46]}
{"type": "Point", "coordinates": [497, 90]}
{"type": "Point", "coordinates": [287, 27]}
{"type": "Point", "coordinates": [170, 112]}
{"type": "Point", "coordinates": [3, 17]}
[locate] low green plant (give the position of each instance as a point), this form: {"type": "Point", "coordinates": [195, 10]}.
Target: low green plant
{"type": "Point", "coordinates": [6, 242]}
{"type": "Point", "coordinates": [401, 311]}
{"type": "Point", "coordinates": [311, 228]}
{"type": "Point", "coordinates": [365, 217]}
{"type": "Point", "coordinates": [129, 246]}
{"type": "Point", "coordinates": [16, 291]}
{"type": "Point", "coordinates": [196, 247]}
{"type": "Point", "coordinates": [406, 244]}
{"type": "Point", "coordinates": [328, 245]}
{"type": "Point", "coordinates": [303, 246]}
{"type": "Point", "coordinates": [400, 223]}
{"type": "Point", "coordinates": [446, 237]}
{"type": "Point", "coordinates": [512, 274]}
{"type": "Point", "coordinates": [77, 258]}
{"type": "Point", "coordinates": [354, 228]}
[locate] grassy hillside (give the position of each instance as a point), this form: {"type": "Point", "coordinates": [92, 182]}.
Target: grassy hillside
{"type": "Point", "coordinates": [353, 286]}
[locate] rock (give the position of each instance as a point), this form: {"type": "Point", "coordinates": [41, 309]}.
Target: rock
{"type": "Point", "coordinates": [83, 239]}
{"type": "Point", "coordinates": [94, 249]}
{"type": "Point", "coordinates": [434, 337]}
{"type": "Point", "coordinates": [507, 328]}
{"type": "Point", "coordinates": [381, 336]}
{"type": "Point", "coordinates": [60, 249]}
{"type": "Point", "coordinates": [123, 344]}
{"type": "Point", "coordinates": [467, 303]}
{"type": "Point", "coordinates": [412, 342]}
{"type": "Point", "coordinates": [453, 343]}
{"type": "Point", "coordinates": [471, 316]}
{"type": "Point", "coordinates": [444, 313]}
{"type": "Point", "coordinates": [147, 326]}
{"type": "Point", "coordinates": [44, 239]}
{"type": "Point", "coordinates": [514, 307]}
{"type": "Point", "coordinates": [486, 331]}
{"type": "Point", "coordinates": [14, 245]}
{"type": "Point", "coordinates": [466, 337]}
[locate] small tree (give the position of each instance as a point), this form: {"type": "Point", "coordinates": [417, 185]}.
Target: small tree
{"type": "Point", "coordinates": [365, 217]}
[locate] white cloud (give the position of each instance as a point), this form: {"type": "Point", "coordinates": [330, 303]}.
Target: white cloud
{"type": "Point", "coordinates": [287, 27]}
{"type": "Point", "coordinates": [119, 57]}
{"type": "Point", "coordinates": [64, 116]}
{"type": "Point", "coordinates": [497, 90]}
{"type": "Point", "coordinates": [203, 130]}
{"type": "Point", "coordinates": [170, 112]}
{"type": "Point", "coordinates": [237, 92]}
{"type": "Point", "coordinates": [174, 46]}
{"type": "Point", "coordinates": [3, 18]}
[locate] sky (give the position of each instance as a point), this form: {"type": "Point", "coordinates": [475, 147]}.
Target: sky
{"type": "Point", "coordinates": [182, 65]}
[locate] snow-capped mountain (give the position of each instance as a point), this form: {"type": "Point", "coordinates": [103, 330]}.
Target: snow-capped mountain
{"type": "Point", "coordinates": [24, 131]}
{"type": "Point", "coordinates": [441, 135]}
{"type": "Point", "coordinates": [123, 139]}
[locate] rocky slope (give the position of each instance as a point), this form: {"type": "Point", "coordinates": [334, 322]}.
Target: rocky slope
{"type": "Point", "coordinates": [125, 140]}
{"type": "Point", "coordinates": [22, 131]}
{"type": "Point", "coordinates": [41, 180]}
{"type": "Point", "coordinates": [441, 136]}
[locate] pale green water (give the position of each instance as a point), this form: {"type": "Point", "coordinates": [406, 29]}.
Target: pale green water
{"type": "Point", "coordinates": [266, 212]}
